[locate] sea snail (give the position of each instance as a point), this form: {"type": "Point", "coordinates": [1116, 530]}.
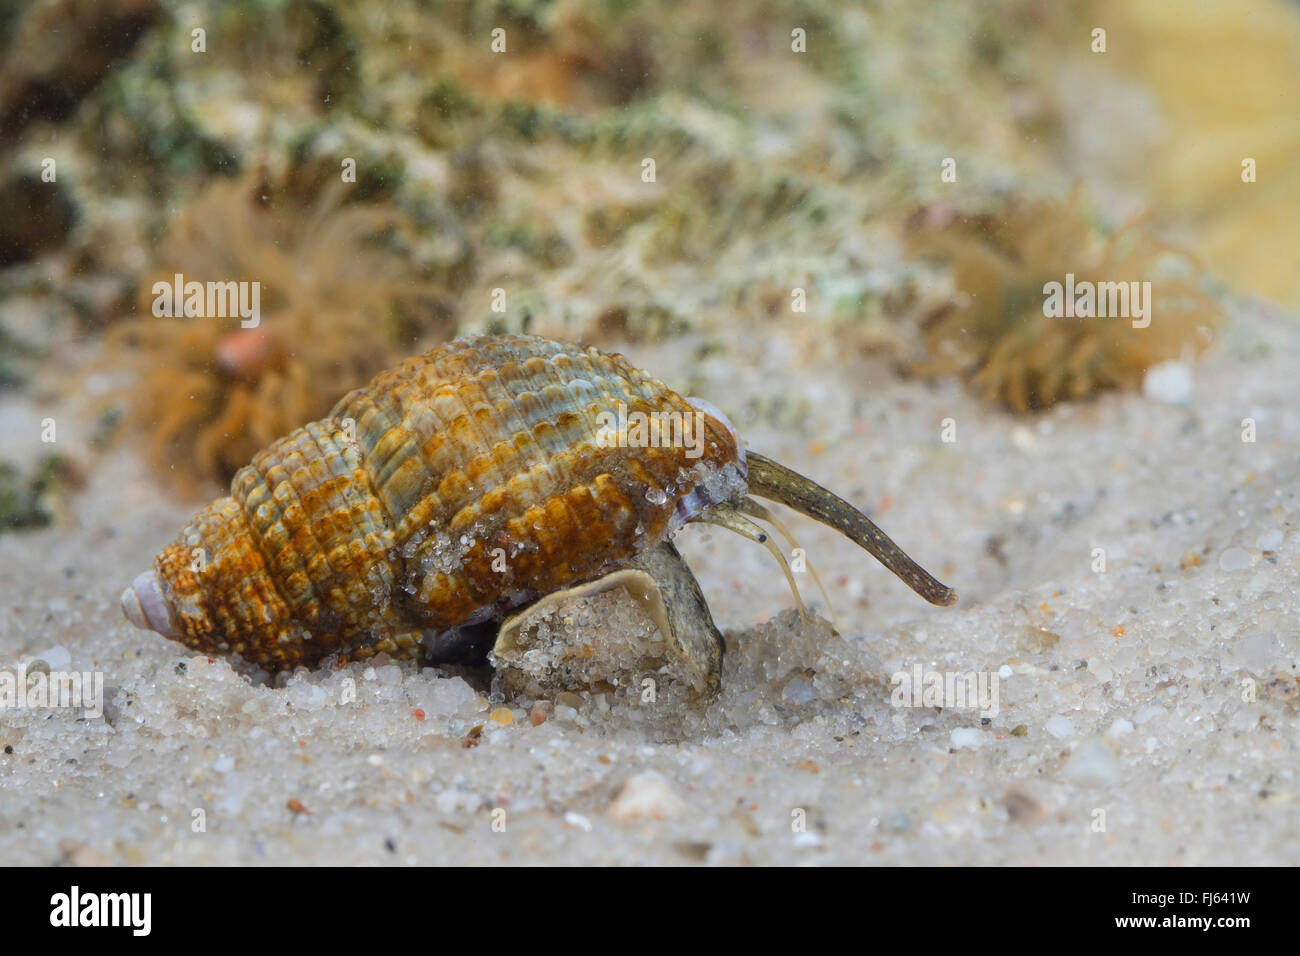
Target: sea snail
{"type": "Point", "coordinates": [463, 484]}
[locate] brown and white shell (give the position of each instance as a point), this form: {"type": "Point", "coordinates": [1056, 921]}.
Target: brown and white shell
{"type": "Point", "coordinates": [454, 486]}
{"type": "Point", "coordinates": [466, 482]}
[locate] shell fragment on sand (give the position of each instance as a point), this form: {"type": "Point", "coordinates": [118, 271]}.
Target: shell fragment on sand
{"type": "Point", "coordinates": [587, 635]}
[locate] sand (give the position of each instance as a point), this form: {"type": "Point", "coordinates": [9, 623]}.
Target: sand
{"type": "Point", "coordinates": [1129, 572]}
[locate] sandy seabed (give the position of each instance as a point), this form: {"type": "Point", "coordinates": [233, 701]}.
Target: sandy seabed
{"type": "Point", "coordinates": [1147, 713]}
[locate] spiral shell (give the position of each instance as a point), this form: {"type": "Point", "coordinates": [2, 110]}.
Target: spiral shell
{"type": "Point", "coordinates": [459, 484]}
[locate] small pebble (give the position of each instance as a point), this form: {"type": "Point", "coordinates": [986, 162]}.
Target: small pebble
{"type": "Point", "coordinates": [1059, 727]}
{"type": "Point", "coordinates": [1120, 728]}
{"type": "Point", "coordinates": [1269, 540]}
{"type": "Point", "coordinates": [1168, 382]}
{"type": "Point", "coordinates": [1093, 762]}
{"type": "Point", "coordinates": [799, 690]}
{"type": "Point", "coordinates": [1023, 438]}
{"type": "Point", "coordinates": [1021, 807]}
{"type": "Point", "coordinates": [1235, 559]}
{"type": "Point", "coordinates": [578, 821]}
{"type": "Point", "coordinates": [967, 737]}
{"type": "Point", "coordinates": [646, 796]}
{"type": "Point", "coordinates": [1100, 669]}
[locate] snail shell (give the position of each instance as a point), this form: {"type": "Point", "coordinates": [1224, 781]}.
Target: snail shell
{"type": "Point", "coordinates": [453, 487]}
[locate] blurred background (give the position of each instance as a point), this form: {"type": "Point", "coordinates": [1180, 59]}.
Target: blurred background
{"type": "Point", "coordinates": [893, 179]}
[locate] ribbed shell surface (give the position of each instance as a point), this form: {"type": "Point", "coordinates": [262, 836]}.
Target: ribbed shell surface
{"type": "Point", "coordinates": [480, 474]}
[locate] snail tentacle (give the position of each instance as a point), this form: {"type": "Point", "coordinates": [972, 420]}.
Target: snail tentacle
{"type": "Point", "coordinates": [755, 510]}
{"type": "Point", "coordinates": [772, 480]}
{"type": "Point", "coordinates": [726, 516]}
